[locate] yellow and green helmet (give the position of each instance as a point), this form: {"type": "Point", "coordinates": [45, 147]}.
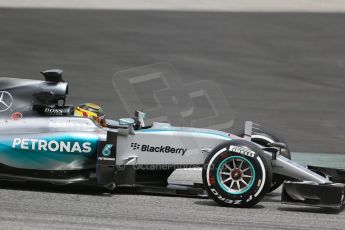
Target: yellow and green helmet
{"type": "Point", "coordinates": [92, 111]}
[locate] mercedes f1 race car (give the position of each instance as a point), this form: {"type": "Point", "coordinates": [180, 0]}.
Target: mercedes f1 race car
{"type": "Point", "coordinates": [41, 140]}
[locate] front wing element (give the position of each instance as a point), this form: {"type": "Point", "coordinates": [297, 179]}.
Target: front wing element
{"type": "Point", "coordinates": [311, 194]}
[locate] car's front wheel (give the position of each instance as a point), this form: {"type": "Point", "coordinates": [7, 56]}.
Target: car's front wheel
{"type": "Point", "coordinates": [264, 138]}
{"type": "Point", "coordinates": [236, 174]}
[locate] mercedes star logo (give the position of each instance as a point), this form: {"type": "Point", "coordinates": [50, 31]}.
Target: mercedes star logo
{"type": "Point", "coordinates": [6, 101]}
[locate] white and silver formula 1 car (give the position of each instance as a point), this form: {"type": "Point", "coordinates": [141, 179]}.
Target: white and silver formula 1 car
{"type": "Point", "coordinates": [41, 140]}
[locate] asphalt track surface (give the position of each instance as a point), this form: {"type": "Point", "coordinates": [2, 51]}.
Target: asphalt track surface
{"type": "Point", "coordinates": [283, 70]}
{"type": "Point", "coordinates": [28, 206]}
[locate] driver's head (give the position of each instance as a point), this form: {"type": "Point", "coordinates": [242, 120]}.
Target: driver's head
{"type": "Point", "coordinates": [91, 111]}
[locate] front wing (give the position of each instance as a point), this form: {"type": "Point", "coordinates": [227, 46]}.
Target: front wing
{"type": "Point", "coordinates": [329, 195]}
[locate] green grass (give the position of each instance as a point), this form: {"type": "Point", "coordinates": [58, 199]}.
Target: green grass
{"type": "Point", "coordinates": [320, 159]}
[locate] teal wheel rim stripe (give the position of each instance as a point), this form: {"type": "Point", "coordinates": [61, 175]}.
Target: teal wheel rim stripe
{"type": "Point", "coordinates": [251, 169]}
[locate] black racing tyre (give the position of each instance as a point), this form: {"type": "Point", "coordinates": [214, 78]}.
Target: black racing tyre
{"type": "Point", "coordinates": [236, 174]}
{"type": "Point", "coordinates": [264, 138]}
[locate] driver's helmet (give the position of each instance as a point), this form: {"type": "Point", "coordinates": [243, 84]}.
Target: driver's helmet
{"type": "Point", "coordinates": [91, 111]}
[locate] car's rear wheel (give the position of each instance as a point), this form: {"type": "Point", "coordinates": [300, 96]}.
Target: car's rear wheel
{"type": "Point", "coordinates": [236, 174]}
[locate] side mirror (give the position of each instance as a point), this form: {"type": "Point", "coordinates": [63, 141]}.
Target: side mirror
{"type": "Point", "coordinates": [279, 146]}
{"type": "Point", "coordinates": [129, 122]}
{"type": "Point", "coordinates": [126, 121]}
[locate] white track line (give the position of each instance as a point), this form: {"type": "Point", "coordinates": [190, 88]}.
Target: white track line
{"type": "Point", "coordinates": [183, 5]}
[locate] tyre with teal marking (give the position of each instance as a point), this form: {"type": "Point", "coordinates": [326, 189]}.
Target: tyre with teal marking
{"type": "Point", "coordinates": [236, 174]}
{"type": "Point", "coordinates": [264, 138]}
